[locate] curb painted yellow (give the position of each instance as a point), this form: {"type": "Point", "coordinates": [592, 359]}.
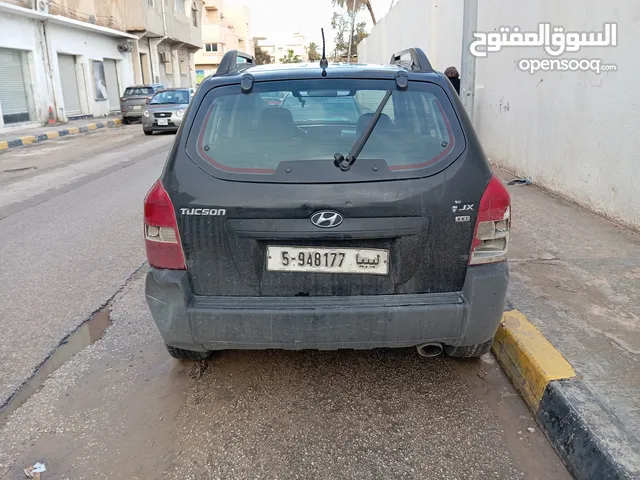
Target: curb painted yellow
{"type": "Point", "coordinates": [28, 140]}
{"type": "Point", "coordinates": [4, 145]}
{"type": "Point", "coordinates": [118, 121]}
{"type": "Point", "coordinates": [74, 130]}
{"type": "Point", "coordinates": [51, 135]}
{"type": "Point", "coordinates": [529, 360]}
{"type": "Point", "coordinates": [92, 126]}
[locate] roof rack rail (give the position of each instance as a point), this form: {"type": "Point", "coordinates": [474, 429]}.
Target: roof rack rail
{"type": "Point", "coordinates": [412, 58]}
{"type": "Point", "coordinates": [229, 62]}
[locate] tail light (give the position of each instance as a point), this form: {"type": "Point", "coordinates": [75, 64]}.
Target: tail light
{"type": "Point", "coordinates": [161, 236]}
{"type": "Point", "coordinates": [491, 235]}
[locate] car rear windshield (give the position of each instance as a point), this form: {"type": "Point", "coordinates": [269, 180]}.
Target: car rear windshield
{"type": "Point", "coordinates": [246, 134]}
{"type": "Point", "coordinates": [133, 91]}
{"type": "Point", "coordinates": [175, 97]}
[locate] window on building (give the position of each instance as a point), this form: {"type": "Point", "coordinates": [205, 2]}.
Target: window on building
{"type": "Point", "coordinates": [179, 4]}
{"type": "Point", "coordinates": [210, 47]}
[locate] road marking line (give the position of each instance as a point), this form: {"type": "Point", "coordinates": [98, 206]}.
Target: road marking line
{"type": "Point", "coordinates": [527, 357]}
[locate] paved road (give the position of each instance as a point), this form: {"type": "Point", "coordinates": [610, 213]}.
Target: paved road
{"type": "Point", "coordinates": [121, 408]}
{"type": "Point", "coordinates": [69, 236]}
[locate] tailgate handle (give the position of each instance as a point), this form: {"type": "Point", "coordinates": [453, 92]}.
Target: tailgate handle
{"type": "Point", "coordinates": [351, 228]}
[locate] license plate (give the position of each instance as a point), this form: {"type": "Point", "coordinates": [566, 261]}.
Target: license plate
{"type": "Point", "coordinates": [137, 107]}
{"type": "Point", "coordinates": [328, 260]}
{"type": "Point", "coordinates": [163, 121]}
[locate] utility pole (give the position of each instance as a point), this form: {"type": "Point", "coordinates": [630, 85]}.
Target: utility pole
{"type": "Point", "coordinates": [468, 61]}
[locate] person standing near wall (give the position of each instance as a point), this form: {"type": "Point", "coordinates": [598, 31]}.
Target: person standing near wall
{"type": "Point", "coordinates": [454, 77]}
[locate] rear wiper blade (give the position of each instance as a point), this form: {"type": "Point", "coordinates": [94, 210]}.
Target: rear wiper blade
{"type": "Point", "coordinates": [344, 164]}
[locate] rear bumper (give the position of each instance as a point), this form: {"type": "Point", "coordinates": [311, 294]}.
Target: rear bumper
{"type": "Point", "coordinates": [199, 323]}
{"type": "Point", "coordinates": [160, 128]}
{"type": "Point", "coordinates": [132, 114]}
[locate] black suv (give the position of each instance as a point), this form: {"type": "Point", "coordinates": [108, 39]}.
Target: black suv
{"type": "Point", "coordinates": [363, 214]}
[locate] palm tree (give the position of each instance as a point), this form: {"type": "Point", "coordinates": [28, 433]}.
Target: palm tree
{"type": "Point", "coordinates": [312, 52]}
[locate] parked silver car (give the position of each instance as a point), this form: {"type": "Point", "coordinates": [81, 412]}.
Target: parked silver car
{"type": "Point", "coordinates": [165, 110]}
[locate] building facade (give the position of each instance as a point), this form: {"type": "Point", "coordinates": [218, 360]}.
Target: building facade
{"type": "Point", "coordinates": [67, 59]}
{"type": "Point", "coordinates": [57, 66]}
{"type": "Point", "coordinates": [278, 47]}
{"type": "Point", "coordinates": [169, 34]}
{"type": "Point", "coordinates": [226, 25]}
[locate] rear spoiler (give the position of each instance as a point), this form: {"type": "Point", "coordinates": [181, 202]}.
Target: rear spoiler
{"type": "Point", "coordinates": [230, 64]}
{"type": "Point", "coordinates": [412, 59]}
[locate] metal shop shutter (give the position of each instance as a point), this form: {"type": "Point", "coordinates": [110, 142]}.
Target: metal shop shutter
{"type": "Point", "coordinates": [13, 93]}
{"type": "Point", "coordinates": [69, 82]}
{"type": "Point", "coordinates": [113, 90]}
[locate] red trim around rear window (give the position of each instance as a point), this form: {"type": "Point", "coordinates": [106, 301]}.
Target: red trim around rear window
{"type": "Point", "coordinates": [268, 171]}
{"type": "Point", "coordinates": [438, 157]}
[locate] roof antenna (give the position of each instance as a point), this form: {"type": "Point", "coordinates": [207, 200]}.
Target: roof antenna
{"type": "Point", "coordinates": [324, 63]}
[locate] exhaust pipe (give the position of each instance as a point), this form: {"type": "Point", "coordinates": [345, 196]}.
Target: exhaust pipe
{"type": "Point", "coordinates": [429, 349]}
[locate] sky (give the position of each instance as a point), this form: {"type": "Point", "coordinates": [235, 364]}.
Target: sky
{"type": "Point", "coordinates": [284, 17]}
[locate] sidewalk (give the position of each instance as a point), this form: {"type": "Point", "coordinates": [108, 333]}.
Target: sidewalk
{"type": "Point", "coordinates": [19, 138]}
{"type": "Point", "coordinates": [576, 277]}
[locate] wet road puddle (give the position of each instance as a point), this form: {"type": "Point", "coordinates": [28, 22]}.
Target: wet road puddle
{"type": "Point", "coordinates": [88, 333]}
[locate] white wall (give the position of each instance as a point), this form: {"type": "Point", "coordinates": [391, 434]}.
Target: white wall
{"type": "Point", "coordinates": [87, 46]}
{"type": "Point", "coordinates": [431, 25]}
{"type": "Point", "coordinates": [20, 33]}
{"type": "Point", "coordinates": [575, 133]}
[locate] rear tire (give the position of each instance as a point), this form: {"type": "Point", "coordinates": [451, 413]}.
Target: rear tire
{"type": "Point", "coordinates": [147, 132]}
{"type": "Point", "coordinates": [126, 120]}
{"type": "Point", "coordinates": [469, 351]}
{"type": "Point", "coordinates": [181, 354]}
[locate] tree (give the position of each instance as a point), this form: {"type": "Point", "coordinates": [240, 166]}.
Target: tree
{"type": "Point", "coordinates": [312, 52]}
{"type": "Point", "coordinates": [291, 57]}
{"type": "Point", "coordinates": [341, 25]}
{"type": "Point", "coordinates": [355, 6]}
{"type": "Point", "coordinates": [261, 56]}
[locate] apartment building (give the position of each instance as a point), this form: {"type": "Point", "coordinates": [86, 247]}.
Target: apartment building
{"type": "Point", "coordinates": [278, 46]}
{"type": "Point", "coordinates": [169, 34]}
{"type": "Point", "coordinates": [66, 59]}
{"type": "Point", "coordinates": [226, 25]}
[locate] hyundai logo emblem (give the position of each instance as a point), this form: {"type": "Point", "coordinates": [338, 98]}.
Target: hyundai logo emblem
{"type": "Point", "coordinates": [326, 219]}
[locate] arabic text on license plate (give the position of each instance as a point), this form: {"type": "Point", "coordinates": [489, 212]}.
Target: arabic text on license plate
{"type": "Point", "coordinates": [328, 260]}
{"type": "Point", "coordinates": [163, 121]}
{"type": "Point", "coordinates": [137, 107]}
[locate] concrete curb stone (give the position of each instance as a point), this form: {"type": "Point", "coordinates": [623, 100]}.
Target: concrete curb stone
{"type": "Point", "coordinates": [588, 438]}
{"type": "Point", "coordinates": [31, 139]}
